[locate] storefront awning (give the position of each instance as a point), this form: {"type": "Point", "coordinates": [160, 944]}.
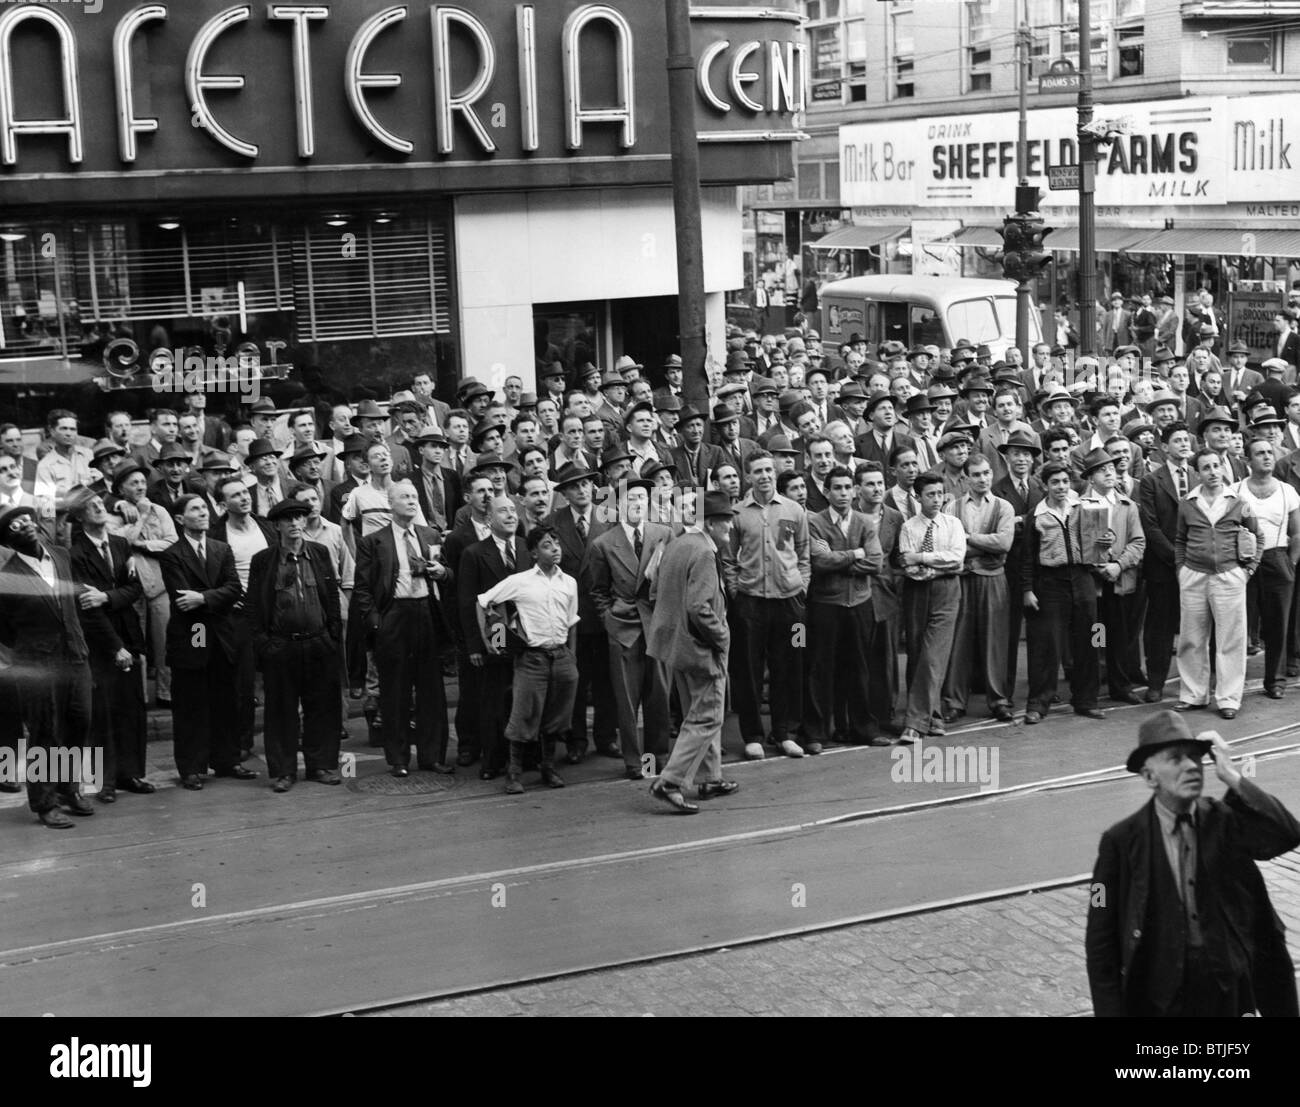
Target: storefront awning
{"type": "Point", "coordinates": [978, 236]}
{"type": "Point", "coordinates": [1220, 240]}
{"type": "Point", "coordinates": [1108, 240]}
{"type": "Point", "coordinates": [858, 238]}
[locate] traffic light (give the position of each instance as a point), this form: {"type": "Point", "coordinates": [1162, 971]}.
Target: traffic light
{"type": "Point", "coordinates": [1023, 258]}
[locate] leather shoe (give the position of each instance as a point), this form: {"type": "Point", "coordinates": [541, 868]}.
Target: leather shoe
{"type": "Point", "coordinates": [812, 749]}
{"type": "Point", "coordinates": [107, 795]}
{"type": "Point", "coordinates": [671, 794]}
{"type": "Point", "coordinates": [880, 740]}
{"type": "Point", "coordinates": [325, 776]}
{"type": "Point", "coordinates": [791, 748]}
{"type": "Point", "coordinates": [77, 805]}
{"type": "Point", "coordinates": [1127, 697]}
{"type": "Point", "coordinates": [1032, 717]}
{"type": "Point", "coordinates": [610, 750]}
{"type": "Point", "coordinates": [1089, 713]}
{"type": "Point", "coordinates": [1227, 712]}
{"type": "Point", "coordinates": [1183, 705]}
{"type": "Point", "coordinates": [1293, 668]}
{"type": "Point", "coordinates": [574, 757]}
{"type": "Point", "coordinates": [236, 772]}
{"type": "Point", "coordinates": [632, 773]}
{"type": "Point", "coordinates": [909, 737]}
{"type": "Point", "coordinates": [464, 760]}
{"type": "Point", "coordinates": [1274, 693]}
{"type": "Point", "coordinates": [55, 819]}
{"type": "Point", "coordinates": [711, 789]}
{"type": "Point", "coordinates": [514, 786]}
{"type": "Point", "coordinates": [1154, 695]}
{"type": "Point", "coordinates": [283, 784]}
{"type": "Point", "coordinates": [754, 751]}
{"type": "Point", "coordinates": [400, 771]}
{"type": "Point", "coordinates": [952, 716]}
{"type": "Point", "coordinates": [9, 787]}
{"type": "Point", "coordinates": [552, 779]}
{"type": "Point", "coordinates": [489, 774]}
{"type": "Point", "coordinates": [442, 768]}
{"type": "Point", "coordinates": [1004, 714]}
{"type": "Point", "coordinates": [138, 786]}
{"type": "Point", "coordinates": [193, 782]}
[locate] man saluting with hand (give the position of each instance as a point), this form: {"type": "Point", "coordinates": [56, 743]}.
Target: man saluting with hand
{"type": "Point", "coordinates": [1179, 923]}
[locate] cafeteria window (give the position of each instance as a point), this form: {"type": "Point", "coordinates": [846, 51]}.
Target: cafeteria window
{"type": "Point", "coordinates": [567, 333]}
{"type": "Point", "coordinates": [927, 327]}
{"type": "Point", "coordinates": [974, 321]}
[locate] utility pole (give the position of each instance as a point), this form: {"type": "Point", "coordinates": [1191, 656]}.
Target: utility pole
{"type": "Point", "coordinates": [1087, 170]}
{"type": "Point", "coordinates": [1024, 303]}
{"type": "Point", "coordinates": [686, 204]}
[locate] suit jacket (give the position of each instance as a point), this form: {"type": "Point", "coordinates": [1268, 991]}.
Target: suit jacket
{"type": "Point", "coordinates": [710, 457]}
{"type": "Point", "coordinates": [216, 432]}
{"type": "Point", "coordinates": [1135, 949]}
{"type": "Point", "coordinates": [188, 647]}
{"type": "Point", "coordinates": [573, 560]}
{"type": "Point", "coordinates": [452, 498]}
{"type": "Point", "coordinates": [374, 581]}
{"type": "Point", "coordinates": [887, 589]}
{"type": "Point", "coordinates": [867, 448]}
{"type": "Point", "coordinates": [481, 568]}
{"type": "Point", "coordinates": [835, 577]}
{"type": "Point", "coordinates": [1290, 348]}
{"type": "Point", "coordinates": [1130, 541]}
{"type": "Point", "coordinates": [333, 511]}
{"type": "Point", "coordinates": [1158, 511]}
{"type": "Point", "coordinates": [116, 625]}
{"type": "Point", "coordinates": [620, 589]}
{"type": "Point", "coordinates": [38, 623]}
{"type": "Point", "coordinates": [1111, 334]}
{"type": "Point", "coordinates": [1251, 379]}
{"type": "Point", "coordinates": [1023, 507]}
{"type": "Point", "coordinates": [260, 505]}
{"type": "Point", "coordinates": [688, 631]}
{"type": "Point", "coordinates": [261, 593]}
{"type": "Point", "coordinates": [1167, 330]}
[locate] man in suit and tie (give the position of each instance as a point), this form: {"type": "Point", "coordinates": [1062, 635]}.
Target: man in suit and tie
{"type": "Point", "coordinates": [267, 487]}
{"type": "Point", "coordinates": [1286, 343]}
{"type": "Point", "coordinates": [1159, 495]}
{"type": "Point", "coordinates": [1166, 323]}
{"type": "Point", "coordinates": [394, 598]}
{"type": "Point", "coordinates": [621, 562]}
{"type": "Point", "coordinates": [202, 587]}
{"type": "Point", "coordinates": [668, 411]}
{"type": "Point", "coordinates": [1185, 928]}
{"type": "Point", "coordinates": [1114, 327]}
{"type": "Point", "coordinates": [845, 554]}
{"type": "Point", "coordinates": [483, 565]}
{"type": "Point", "coordinates": [11, 443]}
{"type": "Point", "coordinates": [1216, 429]}
{"type": "Point", "coordinates": [688, 634]}
{"type": "Point", "coordinates": [39, 623]}
{"type": "Point", "coordinates": [1022, 490]}
{"type": "Point", "coordinates": [110, 588]}
{"type": "Point", "coordinates": [734, 446]}
{"type": "Point", "coordinates": [694, 459]}
{"type": "Point", "coordinates": [882, 434]}
{"type": "Point", "coordinates": [1238, 381]}
{"type": "Point", "coordinates": [672, 372]}
{"type": "Point", "coordinates": [163, 430]}
{"type": "Point", "coordinates": [578, 524]}
{"type": "Point", "coordinates": [356, 471]}
{"type": "Point", "coordinates": [422, 385]}
{"type": "Point", "coordinates": [886, 605]}
{"type": "Point", "coordinates": [438, 487]}
{"type": "Point", "coordinates": [767, 412]}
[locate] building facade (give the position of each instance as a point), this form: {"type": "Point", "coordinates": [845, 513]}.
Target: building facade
{"type": "Point", "coordinates": [365, 190]}
{"type": "Point", "coordinates": [910, 164]}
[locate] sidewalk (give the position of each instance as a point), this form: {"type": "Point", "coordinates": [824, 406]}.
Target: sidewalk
{"type": "Point", "coordinates": [1022, 955]}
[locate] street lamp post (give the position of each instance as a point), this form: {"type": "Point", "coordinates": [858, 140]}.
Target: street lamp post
{"type": "Point", "coordinates": [1024, 303]}
{"type": "Point", "coordinates": [686, 203]}
{"type": "Point", "coordinates": [1087, 169]}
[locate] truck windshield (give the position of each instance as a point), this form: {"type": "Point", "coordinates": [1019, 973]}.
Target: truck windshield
{"type": "Point", "coordinates": [975, 321]}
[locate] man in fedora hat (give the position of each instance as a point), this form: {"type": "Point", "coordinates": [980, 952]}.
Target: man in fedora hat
{"type": "Point", "coordinates": [688, 634]}
{"type": "Point", "coordinates": [1166, 323]}
{"type": "Point", "coordinates": [1238, 381]}
{"type": "Point", "coordinates": [267, 488]}
{"type": "Point", "coordinates": [1114, 328]}
{"type": "Point", "coordinates": [1023, 491]}
{"type": "Point", "coordinates": [695, 458]}
{"type": "Point", "coordinates": [173, 481]}
{"type": "Point", "coordinates": [672, 372]}
{"type": "Point", "coordinates": [882, 433]}
{"type": "Point", "coordinates": [668, 411]}
{"type": "Point", "coordinates": [306, 467]}
{"type": "Point", "coordinates": [1006, 422]}
{"type": "Point", "coordinates": [1216, 429]}
{"type": "Point", "coordinates": [1179, 919]}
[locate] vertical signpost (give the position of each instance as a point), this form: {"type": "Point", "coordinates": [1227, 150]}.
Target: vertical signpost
{"type": "Point", "coordinates": [1087, 169]}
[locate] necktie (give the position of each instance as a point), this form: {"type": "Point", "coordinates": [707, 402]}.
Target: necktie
{"type": "Point", "coordinates": [435, 494]}
{"type": "Point", "coordinates": [107, 554]}
{"type": "Point", "coordinates": [1182, 482]}
{"type": "Point", "coordinates": [1184, 830]}
{"type": "Point", "coordinates": [927, 543]}
{"type": "Point", "coordinates": [636, 542]}
{"type": "Point", "coordinates": [203, 554]}
{"type": "Point", "coordinates": [912, 506]}
{"type": "Point", "coordinates": [582, 528]}
{"type": "Point", "coordinates": [412, 553]}
{"type": "Point", "coordinates": [509, 556]}
{"type": "Point", "coordinates": [1023, 489]}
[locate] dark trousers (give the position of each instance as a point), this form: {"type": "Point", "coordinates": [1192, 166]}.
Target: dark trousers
{"type": "Point", "coordinates": [1273, 594]}
{"type": "Point", "coordinates": [1066, 616]}
{"type": "Point", "coordinates": [770, 627]}
{"type": "Point", "coordinates": [302, 673]}
{"type": "Point", "coordinates": [11, 714]}
{"type": "Point", "coordinates": [638, 681]}
{"type": "Point", "coordinates": [979, 642]}
{"type": "Point", "coordinates": [1135, 604]}
{"type": "Point", "coordinates": [410, 685]}
{"type": "Point", "coordinates": [1015, 624]}
{"type": "Point", "coordinates": [838, 667]}
{"type": "Point", "coordinates": [118, 713]}
{"type": "Point", "coordinates": [882, 664]}
{"type": "Point", "coordinates": [592, 655]}
{"type": "Point", "coordinates": [56, 706]}
{"type": "Point", "coordinates": [1163, 615]}
{"type": "Point", "coordinates": [1113, 611]}
{"type": "Point", "coordinates": [544, 684]}
{"type": "Point", "coordinates": [931, 608]}
{"type": "Point", "coordinates": [245, 679]}
{"type": "Point", "coordinates": [469, 682]}
{"type": "Point", "coordinates": [204, 715]}
{"type": "Point", "coordinates": [356, 653]}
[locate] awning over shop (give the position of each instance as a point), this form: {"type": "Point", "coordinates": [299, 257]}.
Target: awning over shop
{"type": "Point", "coordinates": [978, 236]}
{"type": "Point", "coordinates": [858, 238]}
{"type": "Point", "coordinates": [1220, 240]}
{"type": "Point", "coordinates": [1109, 240]}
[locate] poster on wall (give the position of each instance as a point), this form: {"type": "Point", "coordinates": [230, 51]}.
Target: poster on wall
{"type": "Point", "coordinates": [933, 254]}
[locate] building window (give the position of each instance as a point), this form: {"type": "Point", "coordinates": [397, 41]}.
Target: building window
{"type": "Point", "coordinates": [1068, 11]}
{"type": "Point", "coordinates": [827, 62]}
{"type": "Point", "coordinates": [833, 181]}
{"type": "Point", "coordinates": [809, 174]}
{"type": "Point", "coordinates": [855, 56]}
{"type": "Point", "coordinates": [979, 45]}
{"type": "Point", "coordinates": [823, 9]}
{"type": "Point", "coordinates": [1130, 16]}
{"type": "Point", "coordinates": [1252, 52]}
{"type": "Point", "coordinates": [902, 54]}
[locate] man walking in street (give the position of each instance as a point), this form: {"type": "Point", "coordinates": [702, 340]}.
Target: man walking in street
{"type": "Point", "coordinates": [688, 634]}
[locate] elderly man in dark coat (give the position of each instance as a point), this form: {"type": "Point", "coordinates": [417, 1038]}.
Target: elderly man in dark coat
{"type": "Point", "coordinates": [1179, 922]}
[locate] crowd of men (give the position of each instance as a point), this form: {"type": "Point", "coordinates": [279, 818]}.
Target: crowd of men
{"type": "Point", "coordinates": [604, 565]}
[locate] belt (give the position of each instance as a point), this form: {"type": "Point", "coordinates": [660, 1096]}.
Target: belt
{"type": "Point", "coordinates": [301, 636]}
{"type": "Point", "coordinates": [412, 599]}
{"type": "Point", "coordinates": [550, 651]}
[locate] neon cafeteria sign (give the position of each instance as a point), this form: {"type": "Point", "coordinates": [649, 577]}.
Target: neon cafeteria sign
{"type": "Point", "coordinates": [751, 77]}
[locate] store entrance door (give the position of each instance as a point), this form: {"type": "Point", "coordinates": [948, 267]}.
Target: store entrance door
{"type": "Point", "coordinates": [646, 330]}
